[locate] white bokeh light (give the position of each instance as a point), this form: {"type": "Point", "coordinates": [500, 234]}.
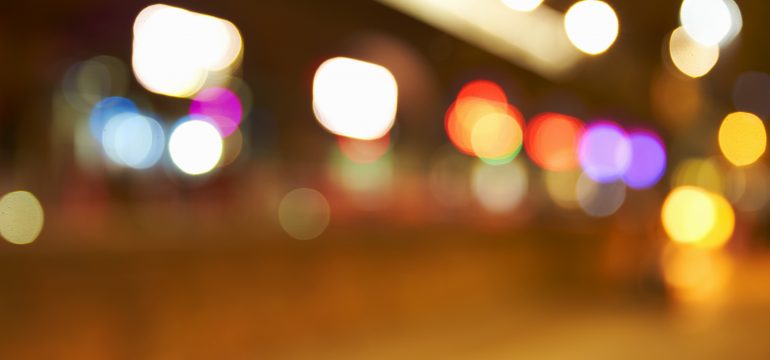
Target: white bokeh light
{"type": "Point", "coordinates": [500, 188]}
{"type": "Point", "coordinates": [354, 98]}
{"type": "Point", "coordinates": [175, 49]}
{"type": "Point", "coordinates": [133, 140]}
{"type": "Point", "coordinates": [592, 26]}
{"type": "Point", "coordinates": [708, 22]}
{"type": "Point", "coordinates": [691, 57]}
{"type": "Point", "coordinates": [195, 147]}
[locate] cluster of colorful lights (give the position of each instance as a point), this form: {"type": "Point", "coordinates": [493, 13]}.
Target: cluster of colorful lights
{"type": "Point", "coordinates": [590, 166]}
{"type": "Point", "coordinates": [555, 142]}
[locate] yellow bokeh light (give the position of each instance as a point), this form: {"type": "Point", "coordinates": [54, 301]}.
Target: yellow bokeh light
{"type": "Point", "coordinates": [522, 5]}
{"type": "Point", "coordinates": [723, 226]}
{"type": "Point", "coordinates": [688, 214]}
{"type": "Point", "coordinates": [355, 98]}
{"type": "Point", "coordinates": [592, 26]}
{"type": "Point", "coordinates": [496, 138]}
{"type": "Point", "coordinates": [174, 49]}
{"type": "Point", "coordinates": [561, 186]}
{"type": "Point", "coordinates": [742, 138]}
{"type": "Point", "coordinates": [21, 217]}
{"type": "Point", "coordinates": [690, 57]}
{"type": "Point", "coordinates": [692, 215]}
{"type": "Point", "coordinates": [694, 274]}
{"type": "Point", "coordinates": [704, 173]}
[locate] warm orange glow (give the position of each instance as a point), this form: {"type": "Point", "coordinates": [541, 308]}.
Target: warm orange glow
{"type": "Point", "coordinates": [552, 141]}
{"type": "Point", "coordinates": [476, 101]}
{"type": "Point", "coordinates": [483, 89]}
{"type": "Point", "coordinates": [496, 138]}
{"type": "Point", "coordinates": [363, 151]}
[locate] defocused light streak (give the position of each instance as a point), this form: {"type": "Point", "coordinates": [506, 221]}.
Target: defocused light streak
{"type": "Point", "coordinates": [522, 5]}
{"type": "Point", "coordinates": [535, 40]}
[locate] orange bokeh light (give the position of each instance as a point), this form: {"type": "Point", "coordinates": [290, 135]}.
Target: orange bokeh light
{"type": "Point", "coordinates": [477, 100]}
{"type": "Point", "coordinates": [552, 141]}
{"type": "Point", "coordinates": [483, 89]}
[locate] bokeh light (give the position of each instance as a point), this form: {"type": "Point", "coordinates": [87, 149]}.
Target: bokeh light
{"type": "Point", "coordinates": [692, 215]}
{"type": "Point", "coordinates": [750, 93]}
{"type": "Point", "coordinates": [231, 148]}
{"type": "Point", "coordinates": [175, 49]}
{"type": "Point", "coordinates": [736, 22]}
{"type": "Point", "coordinates": [221, 105]}
{"type": "Point", "coordinates": [648, 160]}
{"type": "Point", "coordinates": [695, 274]}
{"type": "Point", "coordinates": [106, 109]}
{"type": "Point", "coordinates": [552, 141]}
{"type": "Point", "coordinates": [363, 151]}
{"type": "Point", "coordinates": [362, 177]}
{"type": "Point", "coordinates": [87, 82]}
{"type": "Point", "coordinates": [21, 217]}
{"type": "Point", "coordinates": [691, 57]}
{"type": "Point", "coordinates": [483, 89]}
{"type": "Point", "coordinates": [592, 26]}
{"type": "Point", "coordinates": [706, 21]}
{"type": "Point", "coordinates": [195, 146]}
{"type": "Point", "coordinates": [500, 189]}
{"type": "Point", "coordinates": [676, 100]}
{"type": "Point", "coordinates": [748, 187]}
{"type": "Point", "coordinates": [688, 214]}
{"type": "Point", "coordinates": [355, 98]}
{"type": "Point", "coordinates": [522, 5]}
{"type": "Point", "coordinates": [742, 138]}
{"type": "Point", "coordinates": [304, 213]}
{"type": "Point", "coordinates": [599, 199]}
{"type": "Point", "coordinates": [604, 151]}
{"type": "Point", "coordinates": [133, 140]}
{"type": "Point", "coordinates": [561, 187]}
{"type": "Point", "coordinates": [496, 138]}
{"type": "Point", "coordinates": [724, 224]}
{"type": "Point", "coordinates": [705, 173]}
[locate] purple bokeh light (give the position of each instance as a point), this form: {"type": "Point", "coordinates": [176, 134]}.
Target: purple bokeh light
{"type": "Point", "coordinates": [648, 160]}
{"type": "Point", "coordinates": [221, 105]}
{"type": "Point", "coordinates": [604, 151]}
